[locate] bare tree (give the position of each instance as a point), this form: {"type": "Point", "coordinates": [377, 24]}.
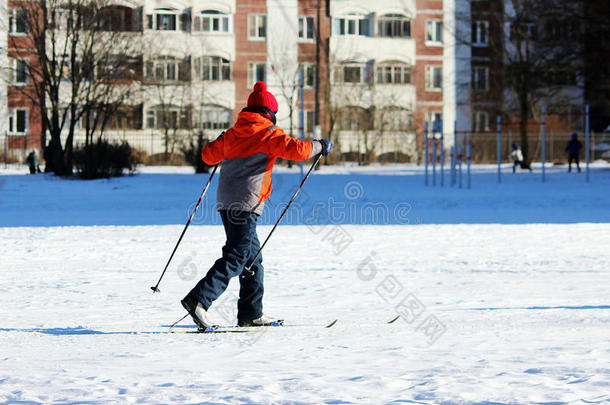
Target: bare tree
{"type": "Point", "coordinates": [76, 65]}
{"type": "Point", "coordinates": [535, 50]}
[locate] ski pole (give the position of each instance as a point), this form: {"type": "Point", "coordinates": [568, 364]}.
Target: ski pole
{"type": "Point", "coordinates": [247, 270]}
{"type": "Point", "coordinates": [205, 189]}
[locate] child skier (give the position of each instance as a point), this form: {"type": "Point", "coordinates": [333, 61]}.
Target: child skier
{"type": "Point", "coordinates": [247, 151]}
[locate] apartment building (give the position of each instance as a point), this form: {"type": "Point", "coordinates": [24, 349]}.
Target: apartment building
{"type": "Point", "coordinates": [23, 127]}
{"type": "Point", "coordinates": [374, 72]}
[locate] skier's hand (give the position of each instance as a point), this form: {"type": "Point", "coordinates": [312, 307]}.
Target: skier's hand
{"type": "Point", "coordinates": [326, 146]}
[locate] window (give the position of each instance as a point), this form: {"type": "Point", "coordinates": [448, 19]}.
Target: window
{"type": "Point", "coordinates": [434, 78]}
{"type": "Point", "coordinates": [170, 117]}
{"type": "Point", "coordinates": [125, 118]}
{"type": "Point", "coordinates": [118, 19]}
{"type": "Point", "coordinates": [434, 120]}
{"type": "Point", "coordinates": [355, 118]}
{"type": "Point", "coordinates": [434, 31]}
{"type": "Point", "coordinates": [166, 68]}
{"type": "Point", "coordinates": [394, 25]}
{"type": "Point", "coordinates": [309, 75]}
{"type": "Point", "coordinates": [215, 118]}
{"type": "Point", "coordinates": [357, 73]}
{"type": "Point", "coordinates": [480, 78]}
{"type": "Point", "coordinates": [393, 73]}
{"type": "Point", "coordinates": [18, 21]}
{"type": "Point", "coordinates": [480, 33]}
{"type": "Point", "coordinates": [257, 27]}
{"type": "Point", "coordinates": [306, 28]}
{"type": "Point", "coordinates": [257, 72]}
{"type": "Point", "coordinates": [212, 21]}
{"type": "Point", "coordinates": [352, 25]}
{"type": "Point", "coordinates": [396, 119]}
{"type": "Point", "coordinates": [213, 68]}
{"type": "Point", "coordinates": [19, 71]}
{"type": "Point", "coordinates": [162, 19]}
{"type": "Point", "coordinates": [309, 121]}
{"type": "Point", "coordinates": [480, 121]}
{"type": "Point", "coordinates": [18, 121]}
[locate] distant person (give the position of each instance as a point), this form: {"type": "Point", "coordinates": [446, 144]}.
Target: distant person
{"type": "Point", "coordinates": [517, 155]}
{"type": "Point", "coordinates": [573, 149]}
{"type": "Point", "coordinates": [32, 162]}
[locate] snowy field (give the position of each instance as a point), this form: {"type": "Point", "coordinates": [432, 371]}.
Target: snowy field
{"type": "Point", "coordinates": [503, 292]}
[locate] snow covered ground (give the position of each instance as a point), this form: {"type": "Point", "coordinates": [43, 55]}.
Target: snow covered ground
{"type": "Point", "coordinates": [503, 292]}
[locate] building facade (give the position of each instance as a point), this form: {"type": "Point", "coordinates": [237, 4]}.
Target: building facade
{"type": "Point", "coordinates": [373, 72]}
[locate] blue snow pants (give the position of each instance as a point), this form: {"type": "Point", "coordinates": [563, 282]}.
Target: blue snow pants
{"type": "Point", "coordinates": [240, 247]}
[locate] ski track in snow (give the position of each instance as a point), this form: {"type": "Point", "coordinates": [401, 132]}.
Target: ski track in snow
{"type": "Point", "coordinates": [526, 310]}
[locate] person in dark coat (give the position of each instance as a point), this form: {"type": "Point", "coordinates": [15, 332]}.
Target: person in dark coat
{"type": "Point", "coordinates": [32, 162]}
{"type": "Point", "coordinates": [517, 155]}
{"type": "Point", "coordinates": [573, 149]}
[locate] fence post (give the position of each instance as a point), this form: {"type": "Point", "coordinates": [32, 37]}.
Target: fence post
{"type": "Point", "coordinates": [442, 154]}
{"type": "Point", "coordinates": [543, 141]}
{"type": "Point", "coordinates": [460, 166]}
{"type": "Point", "coordinates": [426, 151]}
{"type": "Point", "coordinates": [453, 162]}
{"type": "Point", "coordinates": [5, 149]}
{"type": "Point", "coordinates": [499, 149]}
{"type": "Point", "coordinates": [587, 136]}
{"type": "Point", "coordinates": [468, 158]}
{"type": "Point", "coordinates": [434, 154]}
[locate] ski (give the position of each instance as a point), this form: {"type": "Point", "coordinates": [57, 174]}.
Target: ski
{"type": "Point", "coordinates": [253, 329]}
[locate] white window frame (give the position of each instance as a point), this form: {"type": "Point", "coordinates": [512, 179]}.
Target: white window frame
{"type": "Point", "coordinates": [13, 121]}
{"type": "Point", "coordinates": [434, 32]}
{"type": "Point", "coordinates": [344, 24]}
{"type": "Point", "coordinates": [402, 69]}
{"type": "Point", "coordinates": [178, 113]}
{"type": "Point", "coordinates": [207, 63]}
{"type": "Point", "coordinates": [14, 68]}
{"type": "Point", "coordinates": [309, 75]}
{"type": "Point", "coordinates": [480, 31]}
{"type": "Point", "coordinates": [304, 25]}
{"type": "Point", "coordinates": [478, 118]}
{"type": "Point", "coordinates": [309, 124]}
{"type": "Point", "coordinates": [215, 117]}
{"type": "Point", "coordinates": [167, 63]}
{"type": "Point", "coordinates": [477, 72]}
{"type": "Point", "coordinates": [13, 16]}
{"type": "Point", "coordinates": [365, 75]}
{"type": "Point", "coordinates": [223, 20]}
{"type": "Point", "coordinates": [397, 21]}
{"type": "Point", "coordinates": [159, 12]}
{"type": "Point", "coordinates": [431, 118]}
{"type": "Point", "coordinates": [430, 76]}
{"type": "Point", "coordinates": [256, 23]}
{"type": "Point", "coordinates": [253, 73]}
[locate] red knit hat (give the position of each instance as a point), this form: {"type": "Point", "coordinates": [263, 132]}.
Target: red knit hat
{"type": "Point", "coordinates": [260, 97]}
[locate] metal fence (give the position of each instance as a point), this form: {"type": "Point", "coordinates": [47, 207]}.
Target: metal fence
{"type": "Point", "coordinates": [153, 145]}
{"type": "Point", "coordinates": [484, 145]}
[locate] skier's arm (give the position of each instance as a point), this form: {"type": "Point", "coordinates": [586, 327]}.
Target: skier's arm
{"type": "Point", "coordinates": [213, 152]}
{"type": "Point", "coordinates": [287, 147]}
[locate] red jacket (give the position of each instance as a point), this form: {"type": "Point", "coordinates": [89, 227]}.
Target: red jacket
{"type": "Point", "coordinates": [248, 152]}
